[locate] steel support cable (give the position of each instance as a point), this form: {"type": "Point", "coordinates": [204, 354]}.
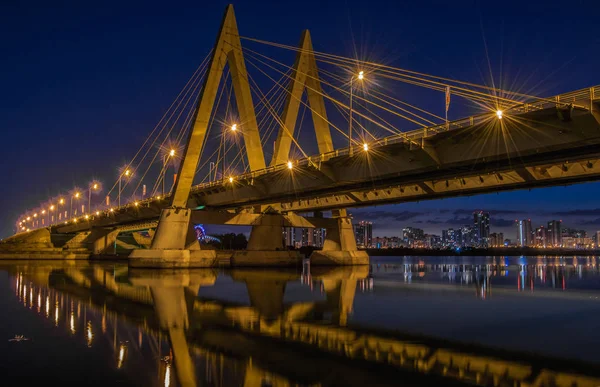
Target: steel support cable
{"type": "Point", "coordinates": [285, 89]}
{"type": "Point", "coordinates": [439, 88]}
{"type": "Point", "coordinates": [390, 68]}
{"type": "Point", "coordinates": [175, 110]}
{"type": "Point", "coordinates": [371, 92]}
{"type": "Point", "coordinates": [273, 124]}
{"type": "Point", "coordinates": [382, 119]}
{"type": "Point", "coordinates": [442, 88]}
{"type": "Point", "coordinates": [210, 122]}
{"type": "Point", "coordinates": [184, 128]}
{"type": "Point", "coordinates": [275, 115]}
{"type": "Point", "coordinates": [344, 91]}
{"type": "Point", "coordinates": [291, 79]}
{"type": "Point", "coordinates": [166, 136]}
{"type": "Point", "coordinates": [428, 83]}
{"type": "Point", "coordinates": [162, 118]}
{"type": "Point", "coordinates": [393, 131]}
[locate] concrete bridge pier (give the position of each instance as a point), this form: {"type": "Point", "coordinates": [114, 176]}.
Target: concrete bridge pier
{"type": "Point", "coordinates": [339, 247]}
{"type": "Point", "coordinates": [101, 240]}
{"type": "Point", "coordinates": [265, 246]}
{"type": "Point", "coordinates": [174, 244]}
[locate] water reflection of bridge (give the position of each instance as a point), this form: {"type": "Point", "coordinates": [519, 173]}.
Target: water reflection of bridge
{"type": "Point", "coordinates": [268, 341]}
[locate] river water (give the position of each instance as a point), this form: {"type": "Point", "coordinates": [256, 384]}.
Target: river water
{"type": "Point", "coordinates": [513, 321]}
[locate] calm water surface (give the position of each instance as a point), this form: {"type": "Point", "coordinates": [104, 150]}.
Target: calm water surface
{"type": "Point", "coordinates": [400, 321]}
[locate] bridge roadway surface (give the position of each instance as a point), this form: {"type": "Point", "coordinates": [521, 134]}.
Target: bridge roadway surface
{"type": "Point", "coordinates": [534, 145]}
{"type": "Point", "coordinates": [290, 339]}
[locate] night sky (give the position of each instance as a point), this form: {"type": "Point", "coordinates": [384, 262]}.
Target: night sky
{"type": "Point", "coordinates": [83, 83]}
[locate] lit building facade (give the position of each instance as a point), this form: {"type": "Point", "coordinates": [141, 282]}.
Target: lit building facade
{"type": "Point", "coordinates": [481, 226]}
{"type": "Point", "coordinates": [524, 233]}
{"type": "Point", "coordinates": [363, 232]}
{"type": "Point", "coordinates": [554, 235]}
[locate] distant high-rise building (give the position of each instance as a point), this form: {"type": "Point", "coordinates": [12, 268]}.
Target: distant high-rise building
{"type": "Point", "coordinates": [307, 237]}
{"type": "Point", "coordinates": [468, 236]}
{"type": "Point", "coordinates": [524, 233]}
{"type": "Point", "coordinates": [481, 225]}
{"type": "Point", "coordinates": [554, 236]}
{"type": "Point", "coordinates": [363, 232]}
{"type": "Point", "coordinates": [496, 239]}
{"type": "Point", "coordinates": [540, 237]}
{"type": "Point", "coordinates": [319, 236]}
{"type": "Point", "coordinates": [289, 236]}
{"type": "Point", "coordinates": [412, 236]}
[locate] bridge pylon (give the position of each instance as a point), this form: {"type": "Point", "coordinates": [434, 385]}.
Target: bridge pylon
{"type": "Point", "coordinates": [305, 75]}
{"type": "Point", "coordinates": [175, 243]}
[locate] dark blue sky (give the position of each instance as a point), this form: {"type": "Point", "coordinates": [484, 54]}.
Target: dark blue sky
{"type": "Point", "coordinates": [82, 84]}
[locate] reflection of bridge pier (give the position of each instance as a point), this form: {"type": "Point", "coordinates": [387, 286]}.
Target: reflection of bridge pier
{"type": "Point", "coordinates": [173, 296]}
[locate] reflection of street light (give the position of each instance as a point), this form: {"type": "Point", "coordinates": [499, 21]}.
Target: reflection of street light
{"type": "Point", "coordinates": [360, 77]}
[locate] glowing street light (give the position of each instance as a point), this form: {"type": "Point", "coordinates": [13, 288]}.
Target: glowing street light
{"type": "Point", "coordinates": [76, 196]}
{"type": "Point", "coordinates": [230, 179]}
{"type": "Point", "coordinates": [499, 114]}
{"type": "Point", "coordinates": [290, 165]}
{"type": "Point", "coordinates": [233, 127]}
{"type": "Point", "coordinates": [126, 173]}
{"type": "Point", "coordinates": [365, 147]}
{"type": "Point", "coordinates": [172, 152]}
{"type": "Point", "coordinates": [95, 187]}
{"type": "Point", "coordinates": [360, 76]}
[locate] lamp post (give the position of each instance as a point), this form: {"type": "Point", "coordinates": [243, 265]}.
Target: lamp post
{"type": "Point", "coordinates": [51, 218]}
{"type": "Point", "coordinates": [93, 186]}
{"type": "Point", "coordinates": [76, 196]}
{"type": "Point", "coordinates": [233, 129]}
{"type": "Point", "coordinates": [165, 160]}
{"type": "Point", "coordinates": [360, 77]}
{"type": "Point", "coordinates": [61, 202]}
{"type": "Point", "coordinates": [127, 173]}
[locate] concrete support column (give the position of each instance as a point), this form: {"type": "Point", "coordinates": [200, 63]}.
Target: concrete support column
{"type": "Point", "coordinates": [265, 246]}
{"type": "Point", "coordinates": [102, 241]}
{"type": "Point", "coordinates": [339, 247]}
{"type": "Point", "coordinates": [174, 244]}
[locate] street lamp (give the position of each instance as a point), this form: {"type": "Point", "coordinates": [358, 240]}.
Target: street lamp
{"type": "Point", "coordinates": [360, 77]}
{"type": "Point", "coordinates": [499, 114]}
{"type": "Point", "coordinates": [76, 196]}
{"type": "Point", "coordinates": [165, 160]}
{"type": "Point", "coordinates": [93, 186]}
{"type": "Point", "coordinates": [61, 202]}
{"type": "Point", "coordinates": [127, 173]}
{"type": "Point", "coordinates": [51, 217]}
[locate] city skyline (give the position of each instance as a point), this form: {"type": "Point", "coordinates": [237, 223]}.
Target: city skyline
{"type": "Point", "coordinates": [434, 216]}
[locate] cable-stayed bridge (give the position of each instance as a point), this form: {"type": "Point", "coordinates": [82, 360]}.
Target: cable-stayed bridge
{"type": "Point", "coordinates": [370, 146]}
